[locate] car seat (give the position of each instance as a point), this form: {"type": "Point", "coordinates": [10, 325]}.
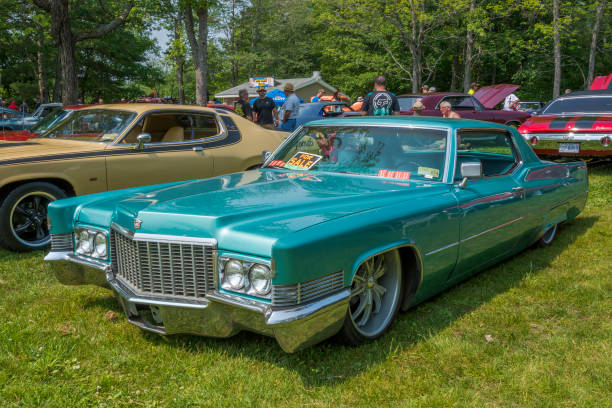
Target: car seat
{"type": "Point", "coordinates": [174, 134]}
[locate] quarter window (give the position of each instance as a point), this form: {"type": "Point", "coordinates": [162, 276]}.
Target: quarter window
{"type": "Point", "coordinates": [493, 149]}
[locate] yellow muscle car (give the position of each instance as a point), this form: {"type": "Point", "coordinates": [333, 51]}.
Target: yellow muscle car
{"type": "Point", "coordinates": [108, 147]}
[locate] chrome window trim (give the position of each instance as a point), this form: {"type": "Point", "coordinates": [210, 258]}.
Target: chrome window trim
{"type": "Point", "coordinates": [516, 153]}
{"type": "Point", "coordinates": [446, 129]}
{"type": "Point", "coordinates": [222, 134]}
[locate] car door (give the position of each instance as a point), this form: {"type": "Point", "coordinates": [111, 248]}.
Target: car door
{"type": "Point", "coordinates": [493, 205]}
{"type": "Point", "coordinates": [180, 149]}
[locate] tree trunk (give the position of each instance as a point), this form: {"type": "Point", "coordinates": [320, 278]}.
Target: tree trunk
{"type": "Point", "coordinates": [557, 49]}
{"type": "Point", "coordinates": [591, 73]}
{"type": "Point", "coordinates": [469, 45]}
{"type": "Point", "coordinates": [179, 79]}
{"type": "Point", "coordinates": [454, 65]}
{"type": "Point", "coordinates": [198, 47]}
{"type": "Point", "coordinates": [415, 50]}
{"type": "Point", "coordinates": [57, 87]}
{"type": "Point", "coordinates": [66, 40]}
{"type": "Point", "coordinates": [41, 73]}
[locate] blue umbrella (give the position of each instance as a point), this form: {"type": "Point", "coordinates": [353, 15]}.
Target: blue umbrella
{"type": "Point", "coordinates": [277, 96]}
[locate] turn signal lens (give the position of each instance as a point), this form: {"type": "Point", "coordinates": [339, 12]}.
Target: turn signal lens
{"type": "Point", "coordinates": [605, 141]}
{"type": "Point", "coordinates": [534, 140]}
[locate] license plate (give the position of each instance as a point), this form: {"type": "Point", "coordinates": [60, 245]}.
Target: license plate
{"type": "Point", "coordinates": [569, 147]}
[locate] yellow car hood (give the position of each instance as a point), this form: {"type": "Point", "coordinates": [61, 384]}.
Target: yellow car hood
{"type": "Point", "coordinates": [14, 152]}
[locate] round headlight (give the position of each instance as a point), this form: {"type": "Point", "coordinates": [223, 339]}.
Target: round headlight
{"type": "Point", "coordinates": [85, 242]}
{"type": "Point", "coordinates": [100, 245]}
{"type": "Point", "coordinates": [260, 277]}
{"type": "Point", "coordinates": [234, 274]}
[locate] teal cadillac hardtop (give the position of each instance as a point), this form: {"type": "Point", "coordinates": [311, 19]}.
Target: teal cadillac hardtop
{"type": "Point", "coordinates": [348, 222]}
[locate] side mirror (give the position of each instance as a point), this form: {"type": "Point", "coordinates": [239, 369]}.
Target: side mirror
{"type": "Point", "coordinates": [141, 140]}
{"type": "Point", "coordinates": [265, 155]}
{"type": "Point", "coordinates": [470, 169]}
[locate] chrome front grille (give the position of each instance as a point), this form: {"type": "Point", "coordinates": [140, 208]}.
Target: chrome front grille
{"type": "Point", "coordinates": [295, 294]}
{"type": "Point", "coordinates": [61, 242]}
{"type": "Point", "coordinates": [163, 268]}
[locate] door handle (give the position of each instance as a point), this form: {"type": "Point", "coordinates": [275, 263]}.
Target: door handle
{"type": "Point", "coordinates": [518, 191]}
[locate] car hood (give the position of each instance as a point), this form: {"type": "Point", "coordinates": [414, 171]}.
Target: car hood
{"type": "Point", "coordinates": [15, 152]}
{"type": "Point", "coordinates": [491, 95]}
{"type": "Point", "coordinates": [577, 122]}
{"type": "Point", "coordinates": [253, 208]}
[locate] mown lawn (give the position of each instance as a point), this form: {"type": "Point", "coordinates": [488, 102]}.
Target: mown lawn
{"type": "Point", "coordinates": [535, 331]}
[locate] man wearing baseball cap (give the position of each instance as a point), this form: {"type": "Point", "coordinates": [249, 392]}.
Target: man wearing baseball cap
{"type": "Point", "coordinates": [290, 108]}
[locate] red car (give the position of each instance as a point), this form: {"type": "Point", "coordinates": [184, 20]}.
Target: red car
{"type": "Point", "coordinates": [576, 124]}
{"type": "Point", "coordinates": [478, 106]}
{"type": "Point", "coordinates": [40, 128]}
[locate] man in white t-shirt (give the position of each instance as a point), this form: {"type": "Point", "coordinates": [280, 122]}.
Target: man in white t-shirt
{"type": "Point", "coordinates": [511, 102]}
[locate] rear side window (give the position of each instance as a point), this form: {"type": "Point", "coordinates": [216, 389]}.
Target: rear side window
{"type": "Point", "coordinates": [460, 102]}
{"type": "Point", "coordinates": [493, 149]}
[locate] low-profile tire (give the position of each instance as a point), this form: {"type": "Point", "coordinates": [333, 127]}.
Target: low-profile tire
{"type": "Point", "coordinates": [376, 294]}
{"type": "Point", "coordinates": [548, 237]}
{"type": "Point", "coordinates": [23, 216]}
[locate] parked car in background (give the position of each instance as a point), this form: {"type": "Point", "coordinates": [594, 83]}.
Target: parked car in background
{"type": "Point", "coordinates": [39, 128]}
{"type": "Point", "coordinates": [108, 147]}
{"type": "Point", "coordinates": [532, 107]}
{"type": "Point", "coordinates": [578, 124]}
{"type": "Point", "coordinates": [322, 110]}
{"type": "Point", "coordinates": [24, 121]}
{"type": "Point", "coordinates": [349, 221]}
{"type": "Point", "coordinates": [477, 106]}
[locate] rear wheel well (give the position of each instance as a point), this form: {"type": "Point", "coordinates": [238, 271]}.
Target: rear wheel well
{"type": "Point", "coordinates": [62, 184]}
{"type": "Point", "coordinates": [411, 269]}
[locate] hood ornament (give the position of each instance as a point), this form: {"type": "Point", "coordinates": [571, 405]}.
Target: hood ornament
{"type": "Point", "coordinates": [137, 223]}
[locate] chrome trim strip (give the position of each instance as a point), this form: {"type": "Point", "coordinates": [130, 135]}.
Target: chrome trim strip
{"type": "Point", "coordinates": [174, 239]}
{"type": "Point", "coordinates": [238, 301]}
{"type": "Point", "coordinates": [132, 297]}
{"type": "Point", "coordinates": [166, 239]}
{"type": "Point", "coordinates": [566, 137]}
{"type": "Point", "coordinates": [442, 249]}
{"type": "Point", "coordinates": [491, 229]}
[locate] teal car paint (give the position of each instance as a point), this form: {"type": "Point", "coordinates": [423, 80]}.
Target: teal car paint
{"type": "Point", "coordinates": [349, 221]}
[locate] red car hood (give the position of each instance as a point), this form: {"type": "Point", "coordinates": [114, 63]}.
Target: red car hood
{"type": "Point", "coordinates": [17, 135]}
{"type": "Point", "coordinates": [491, 95]}
{"type": "Point", "coordinates": [602, 82]}
{"type": "Point", "coordinates": [578, 122]}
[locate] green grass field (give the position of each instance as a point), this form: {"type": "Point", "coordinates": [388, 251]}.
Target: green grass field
{"type": "Point", "coordinates": [534, 331]}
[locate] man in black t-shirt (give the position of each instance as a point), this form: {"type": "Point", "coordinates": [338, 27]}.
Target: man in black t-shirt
{"type": "Point", "coordinates": [380, 102]}
{"type": "Point", "coordinates": [247, 111]}
{"type": "Point", "coordinates": [264, 107]}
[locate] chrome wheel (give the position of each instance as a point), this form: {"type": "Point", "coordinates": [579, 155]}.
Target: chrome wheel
{"type": "Point", "coordinates": [28, 218]}
{"type": "Point", "coordinates": [375, 295]}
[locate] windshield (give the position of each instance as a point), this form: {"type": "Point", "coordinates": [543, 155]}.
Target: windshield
{"type": "Point", "coordinates": [581, 105]}
{"type": "Point", "coordinates": [48, 120]}
{"type": "Point", "coordinates": [93, 125]}
{"type": "Point", "coordinates": [407, 102]}
{"type": "Point", "coordinates": [392, 152]}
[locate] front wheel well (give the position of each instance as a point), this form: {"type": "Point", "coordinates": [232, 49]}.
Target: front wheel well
{"type": "Point", "coordinates": [62, 184]}
{"type": "Point", "coordinates": [412, 271]}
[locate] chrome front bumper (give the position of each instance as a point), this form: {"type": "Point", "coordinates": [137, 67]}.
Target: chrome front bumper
{"type": "Point", "coordinates": [590, 144]}
{"type": "Point", "coordinates": [218, 315]}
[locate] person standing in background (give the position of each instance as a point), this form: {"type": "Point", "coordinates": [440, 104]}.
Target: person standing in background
{"type": "Point", "coordinates": [473, 88]}
{"type": "Point", "coordinates": [247, 111]}
{"type": "Point", "coordinates": [318, 96]}
{"type": "Point", "coordinates": [380, 102]}
{"type": "Point", "coordinates": [447, 112]}
{"type": "Point", "coordinates": [290, 108]}
{"type": "Point", "coordinates": [24, 108]}
{"type": "Point", "coordinates": [511, 102]}
{"type": "Point", "coordinates": [265, 110]}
